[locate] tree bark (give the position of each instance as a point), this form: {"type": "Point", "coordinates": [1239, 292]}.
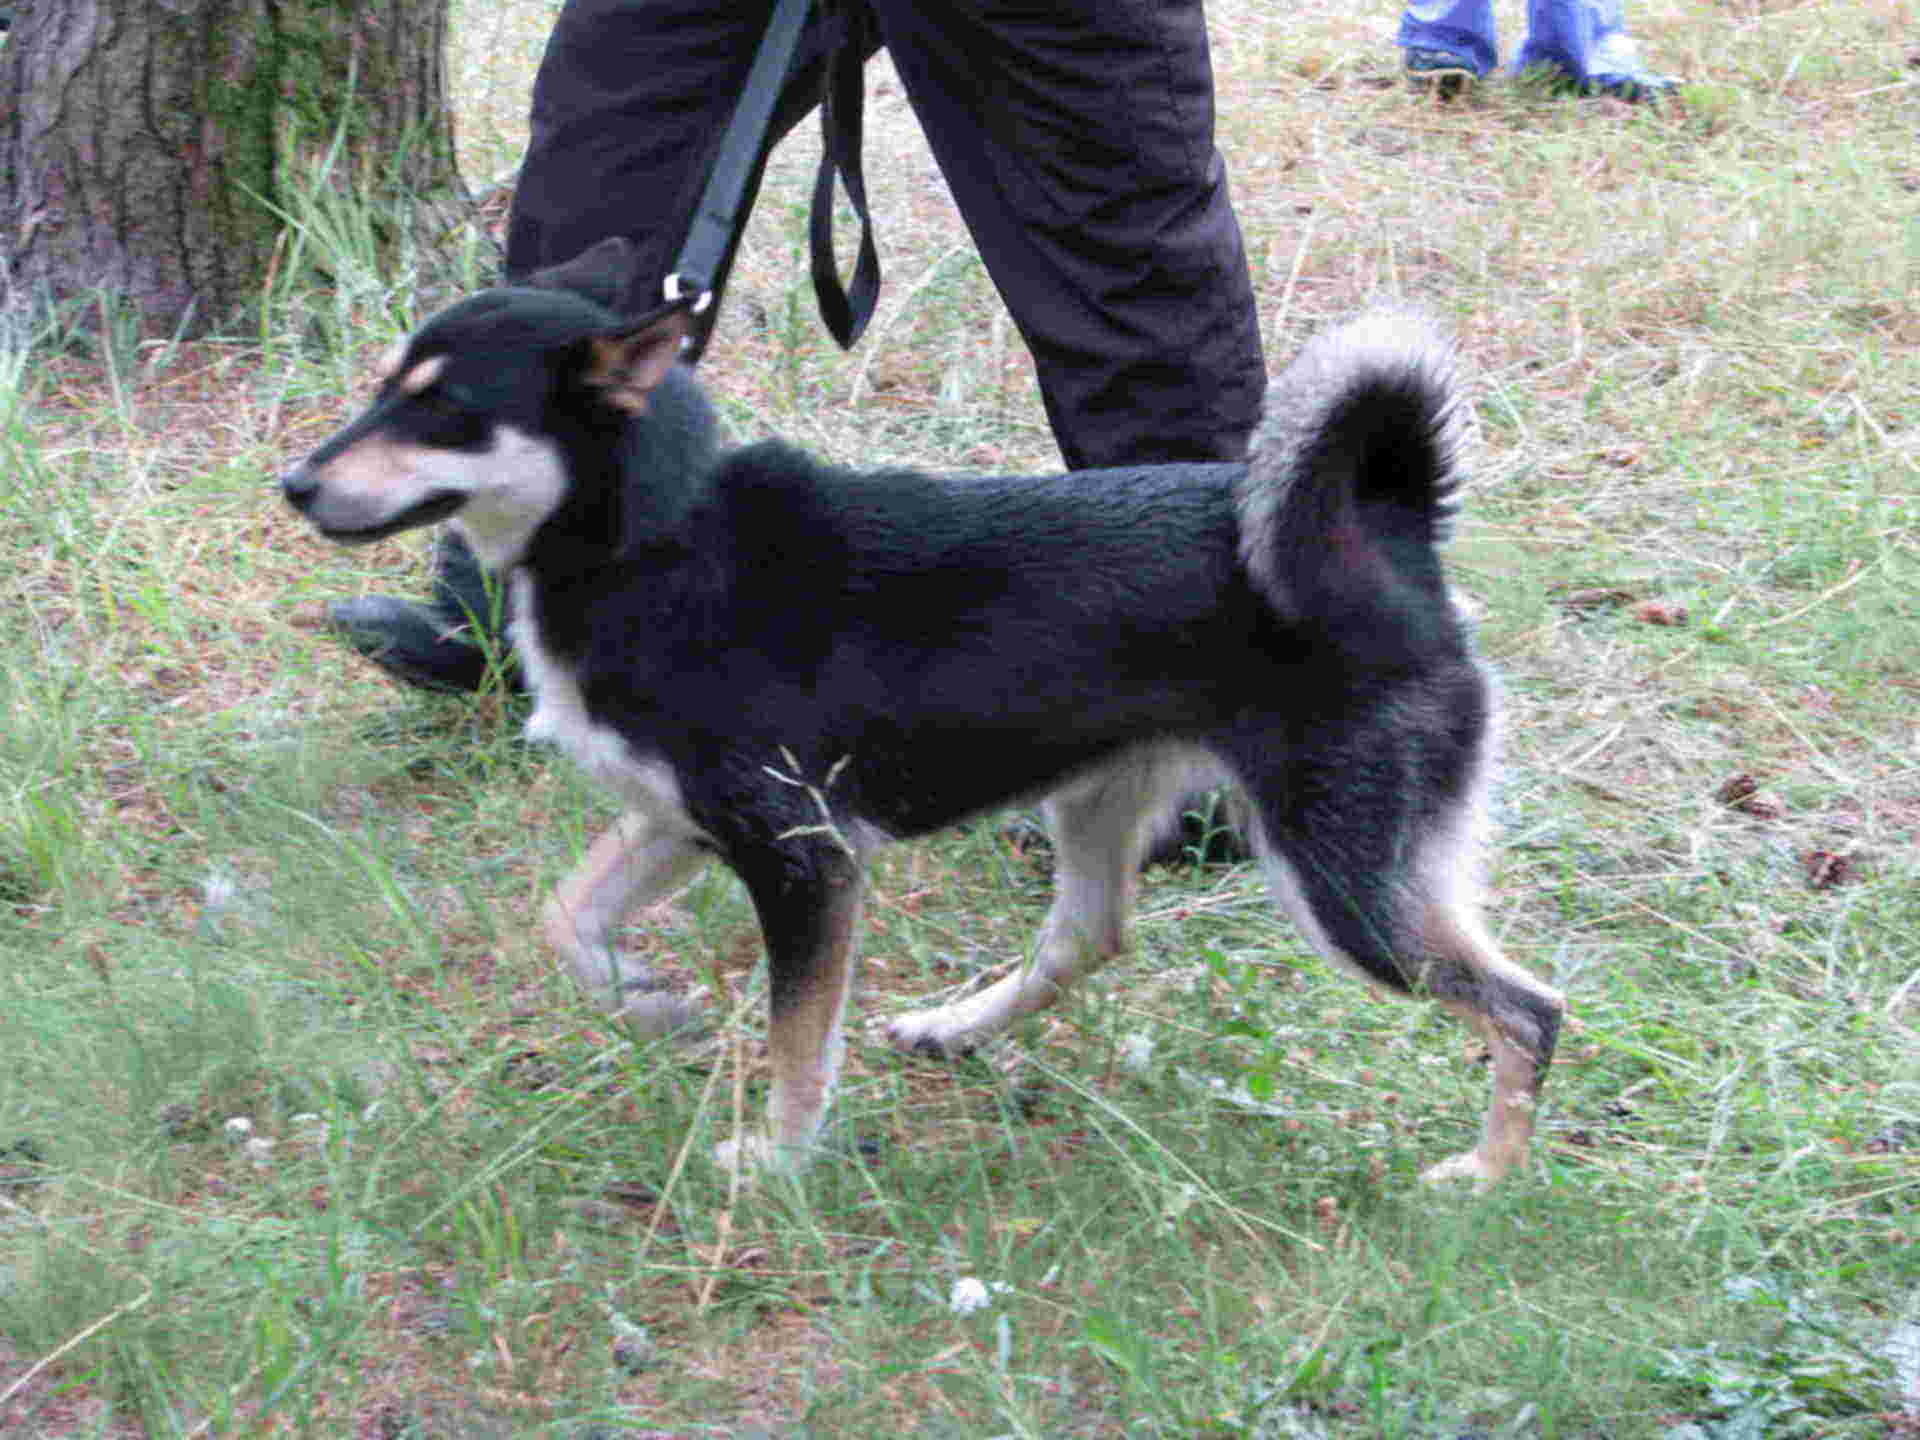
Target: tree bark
{"type": "Point", "coordinates": [151, 149]}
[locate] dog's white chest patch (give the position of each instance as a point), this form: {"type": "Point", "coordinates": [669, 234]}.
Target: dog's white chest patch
{"type": "Point", "coordinates": [511, 490]}
{"type": "Point", "coordinates": [560, 717]}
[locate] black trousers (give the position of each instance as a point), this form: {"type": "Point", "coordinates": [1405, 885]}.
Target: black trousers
{"type": "Point", "coordinates": [1076, 137]}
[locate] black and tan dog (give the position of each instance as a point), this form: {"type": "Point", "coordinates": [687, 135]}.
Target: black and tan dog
{"type": "Point", "coordinates": [784, 664]}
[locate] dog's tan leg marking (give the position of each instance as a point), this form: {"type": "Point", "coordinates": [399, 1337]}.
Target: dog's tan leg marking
{"type": "Point", "coordinates": [1099, 829]}
{"type": "Point", "coordinates": [1083, 931]}
{"type": "Point", "coordinates": [806, 1041]}
{"type": "Point", "coordinates": [634, 863]}
{"type": "Point", "coordinates": [1509, 1125]}
{"type": "Point", "coordinates": [1517, 1017]}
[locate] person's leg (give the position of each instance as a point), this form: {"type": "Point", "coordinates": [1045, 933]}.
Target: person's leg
{"type": "Point", "coordinates": [1078, 143]}
{"type": "Point", "coordinates": [436, 644]}
{"type": "Point", "coordinates": [1449, 36]}
{"type": "Point", "coordinates": [1586, 41]}
{"type": "Point", "coordinates": [630, 106]}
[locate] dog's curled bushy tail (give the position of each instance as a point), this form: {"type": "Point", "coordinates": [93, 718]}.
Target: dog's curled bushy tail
{"type": "Point", "coordinates": [1349, 485]}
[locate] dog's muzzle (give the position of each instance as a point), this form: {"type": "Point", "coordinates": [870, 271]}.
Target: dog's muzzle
{"type": "Point", "coordinates": [350, 524]}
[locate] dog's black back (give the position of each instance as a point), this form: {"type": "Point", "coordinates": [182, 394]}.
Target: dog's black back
{"type": "Point", "coordinates": [871, 619]}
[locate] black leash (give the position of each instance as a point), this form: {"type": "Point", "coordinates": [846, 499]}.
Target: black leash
{"type": "Point", "coordinates": [845, 310]}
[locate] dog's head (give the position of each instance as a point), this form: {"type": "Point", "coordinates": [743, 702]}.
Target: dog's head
{"type": "Point", "coordinates": [474, 412]}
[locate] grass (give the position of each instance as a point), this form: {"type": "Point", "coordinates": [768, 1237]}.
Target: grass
{"type": "Point", "coordinates": [301, 1131]}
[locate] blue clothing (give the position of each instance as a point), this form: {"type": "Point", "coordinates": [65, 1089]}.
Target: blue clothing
{"type": "Point", "coordinates": [1584, 40]}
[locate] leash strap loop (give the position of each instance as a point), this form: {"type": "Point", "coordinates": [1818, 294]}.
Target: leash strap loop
{"type": "Point", "coordinates": [844, 309]}
{"type": "Point", "coordinates": [718, 215]}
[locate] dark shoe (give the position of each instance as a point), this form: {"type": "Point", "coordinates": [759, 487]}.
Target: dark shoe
{"type": "Point", "coordinates": [448, 643]}
{"type": "Point", "coordinates": [1599, 58]}
{"type": "Point", "coordinates": [412, 642]}
{"type": "Point", "coordinates": [1440, 72]}
{"type": "Point", "coordinates": [1640, 89]}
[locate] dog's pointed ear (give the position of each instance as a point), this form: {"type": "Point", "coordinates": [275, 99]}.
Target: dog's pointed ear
{"type": "Point", "coordinates": [627, 364]}
{"type": "Point", "coordinates": [605, 273]}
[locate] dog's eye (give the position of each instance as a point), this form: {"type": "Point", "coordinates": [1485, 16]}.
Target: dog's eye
{"type": "Point", "coordinates": [448, 405]}
{"type": "Point", "coordinates": [449, 400]}
{"type": "Point", "coordinates": [448, 415]}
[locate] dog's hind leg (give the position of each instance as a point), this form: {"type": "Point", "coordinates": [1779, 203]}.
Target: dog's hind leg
{"type": "Point", "coordinates": [809, 914]}
{"type": "Point", "coordinates": [636, 862]}
{"type": "Point", "coordinates": [1100, 828]}
{"type": "Point", "coordinates": [1371, 837]}
{"type": "Point", "coordinates": [1431, 942]}
{"type": "Point", "coordinates": [1517, 1018]}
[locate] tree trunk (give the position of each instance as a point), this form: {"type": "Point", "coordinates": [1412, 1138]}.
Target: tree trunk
{"type": "Point", "coordinates": [149, 148]}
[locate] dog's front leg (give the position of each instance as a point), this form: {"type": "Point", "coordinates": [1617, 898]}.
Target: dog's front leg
{"type": "Point", "coordinates": [636, 862]}
{"type": "Point", "coordinates": [810, 927]}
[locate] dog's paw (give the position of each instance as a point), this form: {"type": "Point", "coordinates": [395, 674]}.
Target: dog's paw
{"type": "Point", "coordinates": [658, 1014]}
{"type": "Point", "coordinates": [1472, 1167]}
{"type": "Point", "coordinates": [755, 1155]}
{"type": "Point", "coordinates": [739, 1157]}
{"type": "Point", "coordinates": [934, 1033]}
